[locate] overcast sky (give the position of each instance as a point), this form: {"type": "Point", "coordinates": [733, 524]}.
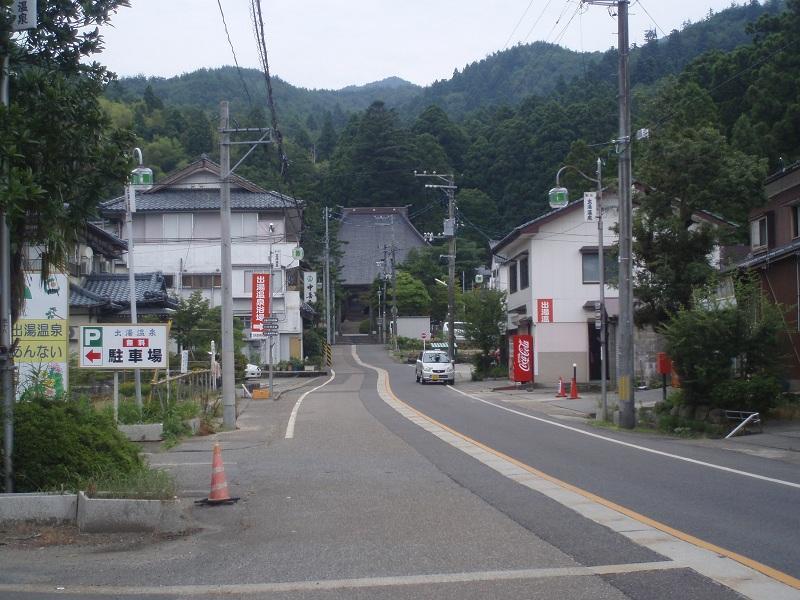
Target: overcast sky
{"type": "Point", "coordinates": [334, 43]}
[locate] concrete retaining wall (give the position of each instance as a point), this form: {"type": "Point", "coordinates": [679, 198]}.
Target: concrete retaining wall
{"type": "Point", "coordinates": [44, 508]}
{"type": "Point", "coordinates": [101, 515]}
{"type": "Point", "coordinates": [94, 515]}
{"type": "Point", "coordinates": [143, 432]}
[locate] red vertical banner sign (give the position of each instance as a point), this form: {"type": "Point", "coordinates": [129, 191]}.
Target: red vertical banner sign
{"type": "Point", "coordinates": [545, 310]}
{"type": "Point", "coordinates": [521, 361]}
{"type": "Point", "coordinates": [260, 308]}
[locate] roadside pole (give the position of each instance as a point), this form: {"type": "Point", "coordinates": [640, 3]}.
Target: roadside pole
{"type": "Point", "coordinates": [7, 366]}
{"type": "Point", "coordinates": [225, 172]}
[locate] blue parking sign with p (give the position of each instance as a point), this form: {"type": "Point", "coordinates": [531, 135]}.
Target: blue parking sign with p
{"type": "Point", "coordinates": [93, 337]}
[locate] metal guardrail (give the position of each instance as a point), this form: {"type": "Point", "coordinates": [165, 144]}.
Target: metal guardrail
{"type": "Point", "coordinates": [746, 418]}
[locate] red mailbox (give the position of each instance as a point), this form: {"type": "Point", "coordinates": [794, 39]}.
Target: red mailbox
{"type": "Point", "coordinates": [664, 364]}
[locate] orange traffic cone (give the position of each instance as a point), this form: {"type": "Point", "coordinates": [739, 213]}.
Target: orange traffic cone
{"type": "Point", "coordinates": [573, 392]}
{"type": "Point", "coordinates": [219, 484]}
{"type": "Point", "coordinates": [561, 393]}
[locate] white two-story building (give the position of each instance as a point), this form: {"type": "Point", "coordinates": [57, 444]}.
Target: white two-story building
{"type": "Point", "coordinates": [549, 268]}
{"type": "Point", "coordinates": [176, 231]}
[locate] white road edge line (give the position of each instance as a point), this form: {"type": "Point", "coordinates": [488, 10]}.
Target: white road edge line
{"type": "Point", "coordinates": [629, 445]}
{"type": "Point", "coordinates": [346, 584]}
{"type": "Point", "coordinates": [290, 426]}
{"type": "Point", "coordinates": [722, 569]}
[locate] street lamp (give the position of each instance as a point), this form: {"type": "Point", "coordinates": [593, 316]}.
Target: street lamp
{"type": "Point", "coordinates": [557, 196]}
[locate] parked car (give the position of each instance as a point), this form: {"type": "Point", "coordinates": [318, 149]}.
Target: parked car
{"type": "Point", "coordinates": [252, 371]}
{"type": "Point", "coordinates": [435, 365]}
{"type": "Point", "coordinates": [460, 330]}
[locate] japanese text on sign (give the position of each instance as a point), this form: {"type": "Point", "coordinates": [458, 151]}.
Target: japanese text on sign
{"type": "Point", "coordinates": [260, 309]}
{"type": "Point", "coordinates": [130, 347]}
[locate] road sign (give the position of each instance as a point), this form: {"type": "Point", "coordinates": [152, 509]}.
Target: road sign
{"type": "Point", "coordinates": [424, 335]}
{"type": "Point", "coordinates": [271, 320]}
{"type": "Point", "coordinates": [123, 346]}
{"type": "Point", "coordinates": [271, 333]}
{"type": "Point", "coordinates": [271, 327]}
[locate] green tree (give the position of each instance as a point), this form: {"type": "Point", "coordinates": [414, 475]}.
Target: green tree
{"type": "Point", "coordinates": [327, 138]}
{"type": "Point", "coordinates": [689, 167]}
{"type": "Point", "coordinates": [726, 351]}
{"type": "Point", "coordinates": [412, 297]}
{"type": "Point", "coordinates": [485, 313]}
{"type": "Point", "coordinates": [59, 153]}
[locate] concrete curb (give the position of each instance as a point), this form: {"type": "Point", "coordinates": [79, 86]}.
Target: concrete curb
{"type": "Point", "coordinates": [111, 515]}
{"type": "Point", "coordinates": [94, 515]}
{"type": "Point", "coordinates": [43, 508]}
{"type": "Point", "coordinates": [143, 432]}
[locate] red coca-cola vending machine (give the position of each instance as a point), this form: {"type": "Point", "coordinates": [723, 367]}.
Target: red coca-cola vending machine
{"type": "Point", "coordinates": [520, 359]}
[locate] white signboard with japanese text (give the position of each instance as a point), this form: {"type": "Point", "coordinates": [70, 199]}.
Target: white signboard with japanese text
{"type": "Point", "coordinates": [589, 206]}
{"type": "Point", "coordinates": [124, 346]}
{"type": "Point", "coordinates": [41, 334]}
{"type": "Point", "coordinates": [309, 286]}
{"type": "Point", "coordinates": [23, 13]}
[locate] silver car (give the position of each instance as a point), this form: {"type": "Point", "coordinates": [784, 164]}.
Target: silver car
{"type": "Point", "coordinates": [434, 366]}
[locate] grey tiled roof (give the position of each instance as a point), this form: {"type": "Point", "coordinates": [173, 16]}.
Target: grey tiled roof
{"type": "Point", "coordinates": [111, 292]}
{"type": "Point", "coordinates": [363, 234]}
{"type": "Point", "coordinates": [189, 200]}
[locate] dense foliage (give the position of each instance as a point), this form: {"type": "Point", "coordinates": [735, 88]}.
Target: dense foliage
{"type": "Point", "coordinates": [59, 152]}
{"type": "Point", "coordinates": [725, 351]}
{"type": "Point", "coordinates": [65, 445]}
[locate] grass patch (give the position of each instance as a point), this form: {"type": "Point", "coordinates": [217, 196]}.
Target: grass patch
{"type": "Point", "coordinates": [146, 484]}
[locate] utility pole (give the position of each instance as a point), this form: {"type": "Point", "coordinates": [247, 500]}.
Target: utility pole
{"type": "Point", "coordinates": [449, 188]}
{"type": "Point", "coordinates": [6, 360]}
{"type": "Point", "coordinates": [627, 415]}
{"type": "Point", "coordinates": [327, 281]}
{"type": "Point", "coordinates": [228, 372]}
{"type": "Point", "coordinates": [394, 297]}
{"type": "Point", "coordinates": [602, 266]}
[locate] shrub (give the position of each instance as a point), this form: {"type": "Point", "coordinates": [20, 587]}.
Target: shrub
{"type": "Point", "coordinates": [312, 343]}
{"type": "Point", "coordinates": [364, 326]}
{"type": "Point", "coordinates": [758, 394]}
{"type": "Point", "coordinates": [63, 445]}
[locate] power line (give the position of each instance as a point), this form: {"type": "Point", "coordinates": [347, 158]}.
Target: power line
{"type": "Point", "coordinates": [536, 22]}
{"type": "Point", "coordinates": [235, 60]}
{"type": "Point", "coordinates": [513, 31]}
{"type": "Point", "coordinates": [664, 33]}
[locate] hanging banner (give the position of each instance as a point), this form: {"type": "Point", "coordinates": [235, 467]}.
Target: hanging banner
{"type": "Point", "coordinates": [42, 335]}
{"type": "Point", "coordinates": [260, 308]}
{"type": "Point", "coordinates": [544, 310]}
{"type": "Point", "coordinates": [309, 286]}
{"type": "Point", "coordinates": [521, 360]}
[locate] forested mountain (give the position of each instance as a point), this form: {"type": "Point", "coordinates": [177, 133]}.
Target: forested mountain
{"type": "Point", "coordinates": [504, 78]}
{"type": "Point", "coordinates": [724, 118]}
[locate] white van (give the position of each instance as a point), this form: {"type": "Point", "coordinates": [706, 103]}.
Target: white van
{"type": "Point", "coordinates": [460, 330]}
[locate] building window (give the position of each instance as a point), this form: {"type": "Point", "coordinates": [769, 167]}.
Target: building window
{"type": "Point", "coordinates": [177, 226]}
{"type": "Point", "coordinates": [201, 281]}
{"type": "Point", "coordinates": [796, 220]}
{"type": "Point", "coordinates": [524, 276]}
{"type": "Point", "coordinates": [512, 276]}
{"type": "Point", "coordinates": [591, 267]}
{"type": "Point", "coordinates": [244, 225]}
{"type": "Point", "coordinates": [758, 233]}
{"type": "Point", "coordinates": [169, 281]}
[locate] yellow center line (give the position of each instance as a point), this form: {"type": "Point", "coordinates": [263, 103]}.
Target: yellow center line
{"type": "Point", "coordinates": [780, 576]}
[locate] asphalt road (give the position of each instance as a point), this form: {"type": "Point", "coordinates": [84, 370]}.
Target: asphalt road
{"type": "Point", "coordinates": [365, 503]}
{"type": "Point", "coordinates": [758, 519]}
